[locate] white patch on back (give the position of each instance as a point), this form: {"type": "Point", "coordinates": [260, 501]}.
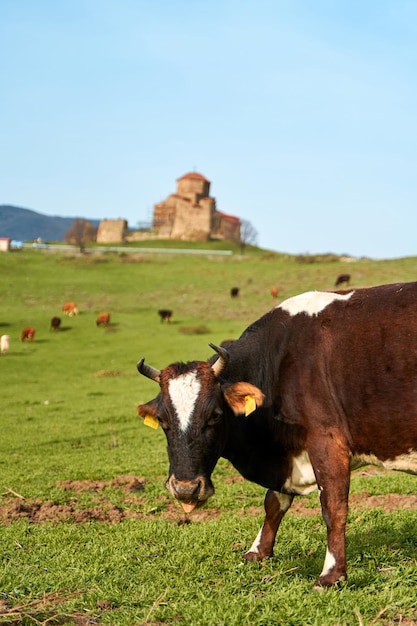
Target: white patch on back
{"type": "Point", "coordinates": [311, 302]}
{"type": "Point", "coordinates": [302, 480]}
{"type": "Point", "coordinates": [184, 392]}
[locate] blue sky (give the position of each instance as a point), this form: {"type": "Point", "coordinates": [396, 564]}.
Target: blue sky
{"type": "Point", "coordinates": [301, 113]}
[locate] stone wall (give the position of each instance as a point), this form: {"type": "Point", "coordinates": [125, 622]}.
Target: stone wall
{"type": "Point", "coordinates": [112, 231]}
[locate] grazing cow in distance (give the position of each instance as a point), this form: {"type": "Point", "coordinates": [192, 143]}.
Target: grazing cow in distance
{"type": "Point", "coordinates": [55, 323]}
{"type": "Point", "coordinates": [342, 278]}
{"type": "Point", "coordinates": [70, 309]}
{"type": "Point", "coordinates": [4, 344]}
{"type": "Point", "coordinates": [28, 333]}
{"type": "Point", "coordinates": [103, 319]}
{"type": "Point", "coordinates": [274, 292]}
{"type": "Point", "coordinates": [165, 314]}
{"type": "Point", "coordinates": [322, 384]}
{"type": "Point", "coordinates": [234, 292]}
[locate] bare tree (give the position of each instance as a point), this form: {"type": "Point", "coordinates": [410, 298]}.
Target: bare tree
{"type": "Point", "coordinates": [248, 235]}
{"type": "Point", "coordinates": [81, 232]}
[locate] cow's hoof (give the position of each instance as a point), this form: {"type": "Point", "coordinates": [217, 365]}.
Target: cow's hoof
{"type": "Point", "coordinates": [325, 582]}
{"type": "Point", "coordinates": [252, 556]}
{"type": "Point", "coordinates": [255, 556]}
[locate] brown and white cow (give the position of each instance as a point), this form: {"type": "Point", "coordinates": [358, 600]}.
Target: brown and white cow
{"type": "Point", "coordinates": [322, 384]}
{"type": "Point", "coordinates": [70, 309]}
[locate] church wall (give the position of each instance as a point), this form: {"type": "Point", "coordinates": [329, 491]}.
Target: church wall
{"type": "Point", "coordinates": [192, 223]}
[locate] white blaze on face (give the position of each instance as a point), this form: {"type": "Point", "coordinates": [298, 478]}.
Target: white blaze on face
{"type": "Point", "coordinates": [311, 302]}
{"type": "Point", "coordinates": [184, 392]}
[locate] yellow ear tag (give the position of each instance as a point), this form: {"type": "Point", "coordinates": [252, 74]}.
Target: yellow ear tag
{"type": "Point", "coordinates": [150, 421]}
{"type": "Point", "coordinates": [250, 405]}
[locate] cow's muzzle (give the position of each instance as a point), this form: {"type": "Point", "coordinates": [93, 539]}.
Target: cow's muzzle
{"type": "Point", "coordinates": [190, 492]}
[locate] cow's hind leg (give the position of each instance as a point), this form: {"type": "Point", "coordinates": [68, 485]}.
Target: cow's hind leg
{"type": "Point", "coordinates": [276, 505]}
{"type": "Point", "coordinates": [332, 468]}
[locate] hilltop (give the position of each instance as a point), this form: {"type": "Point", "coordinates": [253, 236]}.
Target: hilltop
{"type": "Point", "coordinates": [26, 225]}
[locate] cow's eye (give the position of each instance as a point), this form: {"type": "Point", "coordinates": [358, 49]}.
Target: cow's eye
{"type": "Point", "coordinates": [215, 417]}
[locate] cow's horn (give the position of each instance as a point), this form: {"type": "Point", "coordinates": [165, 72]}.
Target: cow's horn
{"type": "Point", "coordinates": [222, 361]}
{"type": "Point", "coordinates": [148, 371]}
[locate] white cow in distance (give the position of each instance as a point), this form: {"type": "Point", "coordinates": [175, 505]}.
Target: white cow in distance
{"type": "Point", "coordinates": [4, 343]}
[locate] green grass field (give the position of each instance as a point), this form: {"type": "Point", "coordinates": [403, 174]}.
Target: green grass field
{"type": "Point", "coordinates": [89, 535]}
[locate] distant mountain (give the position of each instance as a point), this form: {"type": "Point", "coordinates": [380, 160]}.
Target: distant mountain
{"type": "Point", "coordinates": [27, 225]}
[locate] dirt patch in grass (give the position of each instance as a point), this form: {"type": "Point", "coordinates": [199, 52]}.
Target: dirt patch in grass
{"type": "Point", "coordinates": [126, 482]}
{"type": "Point", "coordinates": [389, 502]}
{"type": "Point", "coordinates": [15, 506]}
{"type": "Point", "coordinates": [38, 512]}
{"type": "Point", "coordinates": [361, 502]}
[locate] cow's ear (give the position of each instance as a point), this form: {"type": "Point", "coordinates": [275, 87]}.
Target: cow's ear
{"type": "Point", "coordinates": [148, 412]}
{"type": "Point", "coordinates": [243, 398]}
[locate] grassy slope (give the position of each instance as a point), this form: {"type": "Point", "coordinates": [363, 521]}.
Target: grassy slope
{"type": "Point", "coordinates": [62, 421]}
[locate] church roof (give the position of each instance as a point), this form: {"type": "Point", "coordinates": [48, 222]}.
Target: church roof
{"type": "Point", "coordinates": [194, 176]}
{"type": "Point", "coordinates": [229, 218]}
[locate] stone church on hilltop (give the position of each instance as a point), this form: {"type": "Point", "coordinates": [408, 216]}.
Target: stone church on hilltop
{"type": "Point", "coordinates": [191, 214]}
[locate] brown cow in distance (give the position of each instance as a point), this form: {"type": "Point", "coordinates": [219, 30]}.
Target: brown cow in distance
{"type": "Point", "coordinates": [103, 319]}
{"type": "Point", "coordinates": [28, 333]}
{"type": "Point", "coordinates": [70, 309]}
{"type": "Point", "coordinates": [319, 386]}
{"type": "Point", "coordinates": [342, 278]}
{"type": "Point", "coordinates": [55, 323]}
{"type": "Point", "coordinates": [165, 314]}
{"type": "Point", "coordinates": [274, 292]}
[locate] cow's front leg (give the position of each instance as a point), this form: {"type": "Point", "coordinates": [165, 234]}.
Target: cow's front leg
{"type": "Point", "coordinates": [276, 505]}
{"type": "Point", "coordinates": [332, 469]}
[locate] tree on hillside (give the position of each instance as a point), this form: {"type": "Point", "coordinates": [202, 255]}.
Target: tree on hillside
{"type": "Point", "coordinates": [248, 235]}
{"type": "Point", "coordinates": [81, 232]}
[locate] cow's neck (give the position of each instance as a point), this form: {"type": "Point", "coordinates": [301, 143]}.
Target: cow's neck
{"type": "Point", "coordinates": [255, 358]}
{"type": "Point", "coordinates": [259, 446]}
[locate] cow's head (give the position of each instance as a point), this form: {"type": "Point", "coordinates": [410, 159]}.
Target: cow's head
{"type": "Point", "coordinates": [192, 407]}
